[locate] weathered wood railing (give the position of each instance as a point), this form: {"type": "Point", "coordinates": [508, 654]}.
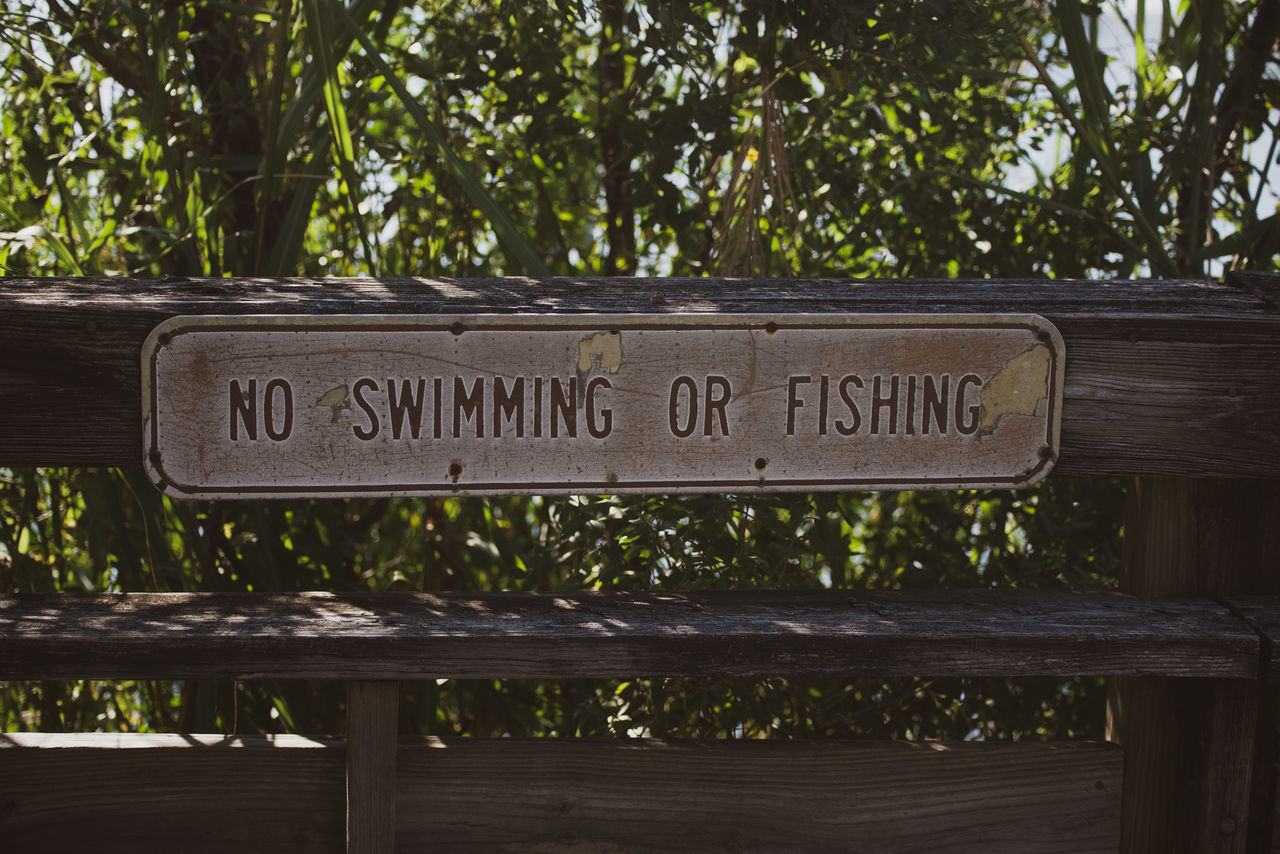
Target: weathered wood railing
{"type": "Point", "coordinates": [1173, 381]}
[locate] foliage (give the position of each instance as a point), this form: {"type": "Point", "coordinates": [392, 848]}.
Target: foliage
{"type": "Point", "coordinates": [454, 139]}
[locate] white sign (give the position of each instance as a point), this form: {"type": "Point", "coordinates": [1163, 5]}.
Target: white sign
{"type": "Point", "coordinates": [283, 406]}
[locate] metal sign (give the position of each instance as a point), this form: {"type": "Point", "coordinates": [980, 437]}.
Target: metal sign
{"type": "Point", "coordinates": [282, 406]}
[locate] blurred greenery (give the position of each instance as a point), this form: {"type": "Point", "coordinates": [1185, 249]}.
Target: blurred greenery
{"type": "Point", "coordinates": [806, 138]}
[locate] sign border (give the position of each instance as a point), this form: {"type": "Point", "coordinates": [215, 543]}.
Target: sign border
{"type": "Point", "coordinates": [459, 324]}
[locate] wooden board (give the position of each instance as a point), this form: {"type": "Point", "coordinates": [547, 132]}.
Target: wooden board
{"type": "Point", "coordinates": [202, 793]}
{"type": "Point", "coordinates": [191, 793]}
{"type": "Point", "coordinates": [262, 406]}
{"type": "Point", "coordinates": [1169, 378]}
{"type": "Point", "coordinates": [834, 797]}
{"type": "Point", "coordinates": [739, 633]}
{"type": "Point", "coordinates": [373, 715]}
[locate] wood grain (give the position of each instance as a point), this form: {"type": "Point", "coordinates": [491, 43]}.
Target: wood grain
{"type": "Point", "coordinates": [1228, 748]}
{"type": "Point", "coordinates": [1197, 766]}
{"type": "Point", "coordinates": [739, 633]}
{"type": "Point", "coordinates": [1169, 378]}
{"type": "Point", "coordinates": [1239, 527]}
{"type": "Point", "coordinates": [134, 793]}
{"type": "Point", "coordinates": [372, 723]}
{"type": "Point", "coordinates": [1160, 559]}
{"type": "Point", "coordinates": [559, 796]}
{"type": "Point", "coordinates": [191, 793]}
{"type": "Point", "coordinates": [1263, 613]}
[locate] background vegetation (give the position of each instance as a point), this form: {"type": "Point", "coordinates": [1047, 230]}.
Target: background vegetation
{"type": "Point", "coordinates": [807, 138]}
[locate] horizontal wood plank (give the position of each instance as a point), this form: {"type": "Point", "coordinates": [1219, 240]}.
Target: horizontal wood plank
{"type": "Point", "coordinates": [1171, 378]}
{"type": "Point", "coordinates": [741, 633]}
{"type": "Point", "coordinates": [195, 793]}
{"type": "Point", "coordinates": [559, 796]}
{"type": "Point", "coordinates": [134, 793]}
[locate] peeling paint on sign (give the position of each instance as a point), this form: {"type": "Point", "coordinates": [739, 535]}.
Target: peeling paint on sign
{"type": "Point", "coordinates": [603, 351]}
{"type": "Point", "coordinates": [333, 397]}
{"type": "Point", "coordinates": [426, 405]}
{"type": "Point", "coordinates": [1020, 388]}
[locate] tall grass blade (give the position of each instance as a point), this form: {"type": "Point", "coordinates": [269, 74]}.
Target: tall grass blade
{"type": "Point", "coordinates": [1200, 126]}
{"type": "Point", "coordinates": [293, 229]}
{"type": "Point", "coordinates": [513, 243]}
{"type": "Point", "coordinates": [1087, 66]}
{"type": "Point", "coordinates": [1091, 123]}
{"type": "Point", "coordinates": [282, 256]}
{"type": "Point", "coordinates": [270, 166]}
{"type": "Point", "coordinates": [311, 89]}
{"type": "Point", "coordinates": [321, 41]}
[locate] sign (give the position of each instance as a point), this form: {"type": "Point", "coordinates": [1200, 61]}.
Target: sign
{"type": "Point", "coordinates": [282, 406]}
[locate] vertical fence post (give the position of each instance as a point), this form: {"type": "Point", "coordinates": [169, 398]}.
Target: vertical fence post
{"type": "Point", "coordinates": [1239, 529]}
{"type": "Point", "coordinates": [1198, 767]}
{"type": "Point", "coordinates": [1159, 560]}
{"type": "Point", "coordinates": [372, 723]}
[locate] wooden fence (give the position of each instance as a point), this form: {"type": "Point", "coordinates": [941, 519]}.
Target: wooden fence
{"type": "Point", "coordinates": [1176, 384]}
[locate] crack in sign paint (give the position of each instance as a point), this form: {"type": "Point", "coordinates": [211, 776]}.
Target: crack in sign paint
{"type": "Point", "coordinates": [1016, 389]}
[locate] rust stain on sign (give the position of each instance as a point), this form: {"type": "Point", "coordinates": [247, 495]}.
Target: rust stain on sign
{"type": "Point", "coordinates": [393, 405]}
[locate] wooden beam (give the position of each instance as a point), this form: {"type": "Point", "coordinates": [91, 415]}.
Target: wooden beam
{"type": "Point", "coordinates": [373, 714]}
{"type": "Point", "coordinates": [190, 793]}
{"type": "Point", "coordinates": [1172, 378]}
{"type": "Point", "coordinates": [1198, 757]}
{"type": "Point", "coordinates": [740, 633]}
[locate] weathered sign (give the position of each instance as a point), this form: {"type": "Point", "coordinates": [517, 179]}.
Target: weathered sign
{"type": "Point", "coordinates": [262, 406]}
